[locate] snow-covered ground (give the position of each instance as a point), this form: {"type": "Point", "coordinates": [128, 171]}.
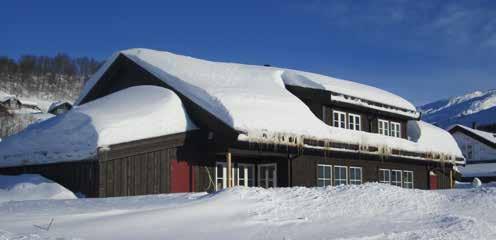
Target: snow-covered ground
{"type": "Point", "coordinates": [31, 187]}
{"type": "Point", "coordinates": [369, 211]}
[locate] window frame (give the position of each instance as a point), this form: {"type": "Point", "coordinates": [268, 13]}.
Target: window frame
{"type": "Point", "coordinates": [335, 175]}
{"type": "Point", "coordinates": [259, 177]}
{"type": "Point", "coordinates": [412, 179]}
{"type": "Point", "coordinates": [401, 178]}
{"type": "Point", "coordinates": [247, 176]}
{"type": "Point", "coordinates": [357, 126]}
{"type": "Point", "coordinates": [340, 119]}
{"type": "Point", "coordinates": [354, 181]}
{"type": "Point", "coordinates": [330, 178]}
{"type": "Point", "coordinates": [382, 130]}
{"type": "Point", "coordinates": [397, 127]}
{"type": "Point", "coordinates": [224, 175]}
{"type": "Point", "coordinates": [388, 174]}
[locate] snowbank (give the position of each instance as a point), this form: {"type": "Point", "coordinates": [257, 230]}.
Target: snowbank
{"type": "Point", "coordinates": [131, 114]}
{"type": "Point", "coordinates": [369, 211]}
{"type": "Point", "coordinates": [254, 100]}
{"type": "Point", "coordinates": [31, 187]}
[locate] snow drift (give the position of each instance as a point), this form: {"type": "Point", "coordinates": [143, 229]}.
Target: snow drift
{"type": "Point", "coordinates": [135, 113]}
{"type": "Point", "coordinates": [369, 211]}
{"type": "Point", "coordinates": [31, 187]}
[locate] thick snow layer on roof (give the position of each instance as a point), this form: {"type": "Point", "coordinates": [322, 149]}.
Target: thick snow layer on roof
{"type": "Point", "coordinates": [491, 137]}
{"type": "Point", "coordinates": [349, 88]}
{"type": "Point", "coordinates": [57, 104]}
{"type": "Point", "coordinates": [131, 114]}
{"type": "Point", "coordinates": [478, 170]}
{"type": "Point", "coordinates": [254, 100]}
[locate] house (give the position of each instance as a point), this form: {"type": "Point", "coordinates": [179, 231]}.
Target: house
{"type": "Point", "coordinates": [11, 102]}
{"type": "Point", "coordinates": [30, 105]}
{"type": "Point", "coordinates": [59, 107]}
{"type": "Point", "coordinates": [155, 122]}
{"type": "Point", "coordinates": [479, 149]}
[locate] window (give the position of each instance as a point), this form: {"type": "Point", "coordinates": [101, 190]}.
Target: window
{"type": "Point", "coordinates": [408, 179]}
{"type": "Point", "coordinates": [385, 176]}
{"type": "Point", "coordinates": [339, 119]}
{"type": "Point", "coordinates": [324, 175]}
{"type": "Point", "coordinates": [246, 175]}
{"type": "Point", "coordinates": [470, 151]}
{"type": "Point", "coordinates": [267, 175]}
{"type": "Point", "coordinates": [355, 175]}
{"type": "Point", "coordinates": [354, 121]}
{"type": "Point", "coordinates": [396, 178]}
{"type": "Point", "coordinates": [383, 127]}
{"type": "Point", "coordinates": [340, 175]}
{"type": "Point", "coordinates": [220, 176]}
{"type": "Point", "coordinates": [395, 129]}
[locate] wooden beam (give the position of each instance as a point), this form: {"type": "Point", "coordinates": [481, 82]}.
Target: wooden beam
{"type": "Point", "coordinates": [229, 169]}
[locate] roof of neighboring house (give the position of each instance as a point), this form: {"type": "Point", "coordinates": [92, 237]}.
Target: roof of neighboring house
{"type": "Point", "coordinates": [487, 138]}
{"type": "Point", "coordinates": [57, 104]}
{"type": "Point", "coordinates": [478, 170]}
{"type": "Point", "coordinates": [134, 113]}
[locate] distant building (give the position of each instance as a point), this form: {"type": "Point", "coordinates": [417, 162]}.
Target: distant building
{"type": "Point", "coordinates": [59, 107]}
{"type": "Point", "coordinates": [479, 149]}
{"type": "Point", "coordinates": [11, 103]}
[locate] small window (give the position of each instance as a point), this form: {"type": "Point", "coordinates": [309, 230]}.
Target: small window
{"type": "Point", "coordinates": [395, 129]}
{"type": "Point", "coordinates": [339, 119]}
{"type": "Point", "coordinates": [385, 176]}
{"type": "Point", "coordinates": [355, 175]}
{"type": "Point", "coordinates": [354, 121]}
{"type": "Point", "coordinates": [324, 175]}
{"type": "Point", "coordinates": [396, 178]}
{"type": "Point", "coordinates": [340, 175]}
{"type": "Point", "coordinates": [408, 179]}
{"type": "Point", "coordinates": [383, 127]}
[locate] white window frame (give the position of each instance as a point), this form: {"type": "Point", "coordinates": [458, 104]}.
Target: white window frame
{"type": "Point", "coordinates": [340, 179]}
{"type": "Point", "coordinates": [356, 124]}
{"type": "Point", "coordinates": [395, 129]}
{"type": "Point", "coordinates": [405, 183]}
{"type": "Point", "coordinates": [325, 178]}
{"type": "Point", "coordinates": [383, 127]}
{"type": "Point", "coordinates": [388, 171]}
{"type": "Point", "coordinates": [224, 175]}
{"type": "Point", "coordinates": [341, 119]}
{"type": "Point", "coordinates": [356, 181]}
{"type": "Point", "coordinates": [266, 184]}
{"type": "Point", "coordinates": [247, 178]}
{"type": "Point", "coordinates": [395, 180]}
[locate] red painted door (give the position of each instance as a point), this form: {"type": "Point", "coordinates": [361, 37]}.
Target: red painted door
{"type": "Point", "coordinates": [180, 177]}
{"type": "Point", "coordinates": [433, 181]}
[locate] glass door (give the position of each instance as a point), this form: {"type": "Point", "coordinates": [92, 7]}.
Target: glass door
{"type": "Point", "coordinates": [267, 175]}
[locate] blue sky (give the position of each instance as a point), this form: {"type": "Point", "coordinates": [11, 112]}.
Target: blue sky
{"type": "Point", "coordinates": [421, 50]}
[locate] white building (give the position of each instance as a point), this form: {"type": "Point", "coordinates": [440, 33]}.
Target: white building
{"type": "Point", "coordinates": [479, 149]}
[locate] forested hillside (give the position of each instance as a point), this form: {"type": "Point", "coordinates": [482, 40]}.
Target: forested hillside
{"type": "Point", "coordinates": [41, 80]}
{"type": "Point", "coordinates": [44, 79]}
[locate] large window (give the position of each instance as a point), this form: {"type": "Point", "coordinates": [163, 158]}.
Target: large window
{"type": "Point", "coordinates": [383, 127]}
{"type": "Point", "coordinates": [267, 175]}
{"type": "Point", "coordinates": [395, 129]}
{"type": "Point", "coordinates": [396, 178]}
{"type": "Point", "coordinates": [220, 176]}
{"type": "Point", "coordinates": [385, 176]}
{"type": "Point", "coordinates": [355, 175]}
{"type": "Point", "coordinates": [340, 175]}
{"type": "Point", "coordinates": [339, 119]}
{"type": "Point", "coordinates": [324, 175]}
{"type": "Point", "coordinates": [407, 179]}
{"type": "Point", "coordinates": [354, 121]}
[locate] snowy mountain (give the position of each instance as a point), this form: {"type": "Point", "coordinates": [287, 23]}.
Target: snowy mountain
{"type": "Point", "coordinates": [477, 107]}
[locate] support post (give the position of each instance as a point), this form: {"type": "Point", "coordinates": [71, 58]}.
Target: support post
{"type": "Point", "coordinates": [451, 178]}
{"type": "Point", "coordinates": [229, 169]}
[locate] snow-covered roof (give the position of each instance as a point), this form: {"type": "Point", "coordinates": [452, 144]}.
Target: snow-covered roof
{"type": "Point", "coordinates": [131, 114]}
{"type": "Point", "coordinates": [254, 100]}
{"type": "Point", "coordinates": [478, 170]}
{"type": "Point", "coordinates": [491, 137]}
